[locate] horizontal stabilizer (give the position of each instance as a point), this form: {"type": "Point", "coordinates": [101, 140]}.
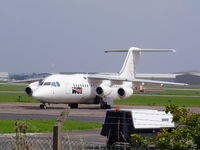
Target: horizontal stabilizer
{"type": "Point", "coordinates": [143, 50]}
{"type": "Point", "coordinates": [133, 54]}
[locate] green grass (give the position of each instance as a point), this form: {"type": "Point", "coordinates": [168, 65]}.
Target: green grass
{"type": "Point", "coordinates": [3, 81]}
{"type": "Point", "coordinates": [44, 126]}
{"type": "Point", "coordinates": [182, 87]}
{"type": "Point", "coordinates": [160, 101]}
{"type": "Point", "coordinates": [15, 97]}
{"type": "Point", "coordinates": [171, 92]}
{"type": "Point", "coordinates": [134, 100]}
{"type": "Point", "coordinates": [12, 87]}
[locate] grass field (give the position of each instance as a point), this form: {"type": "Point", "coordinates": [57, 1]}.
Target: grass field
{"type": "Point", "coordinates": [44, 126]}
{"type": "Point", "coordinates": [160, 101]}
{"type": "Point", "coordinates": [134, 100]}
{"type": "Point", "coordinates": [15, 97]}
{"type": "Point", "coordinates": [171, 92]}
{"type": "Point", "coordinates": [12, 87]}
{"type": "Point", "coordinates": [168, 91]}
{"type": "Point", "coordinates": [182, 87]}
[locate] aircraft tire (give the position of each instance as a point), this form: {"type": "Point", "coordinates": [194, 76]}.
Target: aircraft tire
{"type": "Point", "coordinates": [73, 106]}
{"type": "Point", "coordinates": [105, 106]}
{"type": "Point", "coordinates": [43, 106]}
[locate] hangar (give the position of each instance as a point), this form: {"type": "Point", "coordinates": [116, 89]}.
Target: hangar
{"type": "Point", "coordinates": [157, 76]}
{"type": "Point", "coordinates": [190, 77]}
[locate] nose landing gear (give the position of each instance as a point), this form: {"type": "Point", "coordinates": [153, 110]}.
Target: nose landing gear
{"type": "Point", "coordinates": [43, 106]}
{"type": "Point", "coordinates": [73, 106]}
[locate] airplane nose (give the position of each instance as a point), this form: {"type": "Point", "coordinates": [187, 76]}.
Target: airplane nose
{"type": "Point", "coordinates": [37, 95]}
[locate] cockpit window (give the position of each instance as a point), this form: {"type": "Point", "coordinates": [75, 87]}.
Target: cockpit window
{"type": "Point", "coordinates": [46, 83]}
{"type": "Point", "coordinates": [58, 84]}
{"type": "Point", "coordinates": [53, 84]}
{"type": "Point", "coordinates": [41, 83]}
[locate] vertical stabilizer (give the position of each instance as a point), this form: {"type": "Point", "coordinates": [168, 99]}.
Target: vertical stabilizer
{"type": "Point", "coordinates": [128, 69]}
{"type": "Point", "coordinates": [130, 63]}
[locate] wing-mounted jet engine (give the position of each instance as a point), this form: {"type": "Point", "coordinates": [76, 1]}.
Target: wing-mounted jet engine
{"type": "Point", "coordinates": [31, 88]}
{"type": "Point", "coordinates": [125, 92]}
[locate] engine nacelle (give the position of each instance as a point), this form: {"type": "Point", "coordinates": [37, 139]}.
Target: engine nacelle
{"type": "Point", "coordinates": [124, 92]}
{"type": "Point", "coordinates": [103, 90]}
{"type": "Point", "coordinates": [31, 87]}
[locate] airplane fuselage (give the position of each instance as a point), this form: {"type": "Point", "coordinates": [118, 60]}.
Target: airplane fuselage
{"type": "Point", "coordinates": [64, 89]}
{"type": "Point", "coordinates": [68, 89]}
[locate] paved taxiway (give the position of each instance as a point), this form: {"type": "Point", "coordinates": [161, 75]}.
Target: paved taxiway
{"type": "Point", "coordinates": [84, 113]}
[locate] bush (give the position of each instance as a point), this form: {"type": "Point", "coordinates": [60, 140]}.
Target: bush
{"type": "Point", "coordinates": [184, 137]}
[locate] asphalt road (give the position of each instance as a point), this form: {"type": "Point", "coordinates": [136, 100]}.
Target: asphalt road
{"type": "Point", "coordinates": [48, 117]}
{"type": "Point", "coordinates": [84, 113]}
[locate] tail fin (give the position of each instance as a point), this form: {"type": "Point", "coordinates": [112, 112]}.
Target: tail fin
{"type": "Point", "coordinates": [128, 69]}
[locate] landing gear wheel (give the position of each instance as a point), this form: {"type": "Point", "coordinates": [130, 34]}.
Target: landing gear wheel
{"type": "Point", "coordinates": [73, 106]}
{"type": "Point", "coordinates": [105, 106]}
{"type": "Point", "coordinates": [43, 106]}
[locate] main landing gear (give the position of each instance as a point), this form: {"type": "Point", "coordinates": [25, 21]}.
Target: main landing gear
{"type": "Point", "coordinates": [104, 105]}
{"type": "Point", "coordinates": [73, 106]}
{"type": "Point", "coordinates": [43, 106]}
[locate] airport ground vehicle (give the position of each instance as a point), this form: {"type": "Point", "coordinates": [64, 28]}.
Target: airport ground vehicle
{"type": "Point", "coordinates": [119, 124]}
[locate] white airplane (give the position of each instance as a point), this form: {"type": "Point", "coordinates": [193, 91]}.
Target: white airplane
{"type": "Point", "coordinates": [97, 88]}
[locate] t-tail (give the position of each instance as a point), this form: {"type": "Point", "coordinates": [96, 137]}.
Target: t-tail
{"type": "Point", "coordinates": [128, 69]}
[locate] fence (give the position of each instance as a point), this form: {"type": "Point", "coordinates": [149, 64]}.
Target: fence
{"type": "Point", "coordinates": [54, 142]}
{"type": "Point", "coordinates": [46, 143]}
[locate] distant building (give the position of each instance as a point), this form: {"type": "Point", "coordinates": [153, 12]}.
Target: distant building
{"type": "Point", "coordinates": [4, 76]}
{"type": "Point", "coordinates": [190, 77]}
{"type": "Point", "coordinates": [156, 76]}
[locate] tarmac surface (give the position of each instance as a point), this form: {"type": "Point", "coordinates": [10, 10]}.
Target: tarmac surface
{"type": "Point", "coordinates": [88, 113]}
{"type": "Point", "coordinates": [83, 113]}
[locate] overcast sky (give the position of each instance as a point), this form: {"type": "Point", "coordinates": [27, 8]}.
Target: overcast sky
{"type": "Point", "coordinates": [70, 36]}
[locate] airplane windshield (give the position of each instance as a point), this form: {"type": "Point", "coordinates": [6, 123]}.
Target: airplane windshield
{"type": "Point", "coordinates": [55, 84]}
{"type": "Point", "coordinates": [58, 84]}
{"type": "Point", "coordinates": [46, 83]}
{"type": "Point", "coordinates": [41, 83]}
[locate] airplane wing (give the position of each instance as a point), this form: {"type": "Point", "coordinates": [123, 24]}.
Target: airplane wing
{"type": "Point", "coordinates": [28, 80]}
{"type": "Point", "coordinates": [31, 80]}
{"type": "Point", "coordinates": [117, 78]}
{"type": "Point", "coordinates": [157, 82]}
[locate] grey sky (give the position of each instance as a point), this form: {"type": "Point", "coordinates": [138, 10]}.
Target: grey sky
{"type": "Point", "coordinates": [67, 36]}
